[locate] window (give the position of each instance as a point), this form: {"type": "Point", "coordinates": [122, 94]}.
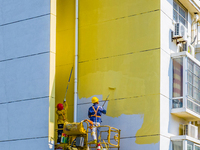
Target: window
{"type": "Point", "coordinates": [193, 86]}
{"type": "Point", "coordinates": [189, 145]}
{"type": "Point", "coordinates": [177, 83]}
{"type": "Point", "coordinates": [178, 77]}
{"type": "Point", "coordinates": [186, 83]}
{"type": "Point", "coordinates": [197, 147]}
{"type": "Point", "coordinates": [180, 13]}
{"type": "Point", "coordinates": [177, 145]}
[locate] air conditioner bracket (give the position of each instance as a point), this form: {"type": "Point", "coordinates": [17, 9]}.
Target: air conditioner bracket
{"type": "Point", "coordinates": [176, 39]}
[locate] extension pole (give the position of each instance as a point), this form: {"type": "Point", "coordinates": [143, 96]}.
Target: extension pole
{"type": "Point", "coordinates": [68, 84]}
{"type": "Point", "coordinates": [106, 100]}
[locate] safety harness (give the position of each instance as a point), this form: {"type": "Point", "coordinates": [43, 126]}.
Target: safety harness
{"type": "Point", "coordinates": [95, 114]}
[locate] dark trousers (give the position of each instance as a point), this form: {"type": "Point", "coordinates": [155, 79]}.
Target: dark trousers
{"type": "Point", "coordinates": [60, 126]}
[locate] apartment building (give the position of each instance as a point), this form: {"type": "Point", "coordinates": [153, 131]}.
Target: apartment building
{"type": "Point", "coordinates": [179, 117]}
{"type": "Point", "coordinates": [143, 54]}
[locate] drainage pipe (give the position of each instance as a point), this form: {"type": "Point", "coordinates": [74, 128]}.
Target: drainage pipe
{"type": "Point", "coordinates": [193, 33]}
{"type": "Point", "coordinates": [76, 64]}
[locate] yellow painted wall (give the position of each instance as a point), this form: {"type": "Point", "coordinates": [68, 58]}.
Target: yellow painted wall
{"type": "Point", "coordinates": [65, 42]}
{"type": "Point", "coordinates": [119, 47]}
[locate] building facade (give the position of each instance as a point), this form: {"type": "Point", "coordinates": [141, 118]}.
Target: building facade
{"type": "Point", "coordinates": [27, 62]}
{"type": "Point", "coordinates": [143, 54]}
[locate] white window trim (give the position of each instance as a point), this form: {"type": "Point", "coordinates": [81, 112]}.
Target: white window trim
{"type": "Point", "coordinates": [185, 137]}
{"type": "Point", "coordinates": [184, 55]}
{"type": "Point", "coordinates": [177, 11]}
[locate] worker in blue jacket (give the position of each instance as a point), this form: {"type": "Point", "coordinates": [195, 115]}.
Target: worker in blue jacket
{"type": "Point", "coordinates": [94, 113]}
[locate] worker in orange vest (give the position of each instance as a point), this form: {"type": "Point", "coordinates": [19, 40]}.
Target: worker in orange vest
{"type": "Point", "coordinates": [61, 112]}
{"type": "Point", "coordinates": [94, 113]}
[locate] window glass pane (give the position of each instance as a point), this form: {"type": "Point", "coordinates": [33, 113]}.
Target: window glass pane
{"type": "Point", "coordinates": [177, 77]}
{"type": "Point", "coordinates": [175, 6]}
{"type": "Point", "coordinates": [175, 16]}
{"type": "Point", "coordinates": [189, 145]}
{"type": "Point", "coordinates": [190, 77]}
{"type": "Point", "coordinates": [198, 97]}
{"type": "Point", "coordinates": [197, 147]}
{"type": "Point", "coordinates": [182, 20]}
{"type": "Point", "coordinates": [195, 93]}
{"type": "Point", "coordinates": [196, 70]}
{"type": "Point", "coordinates": [198, 83]}
{"type": "Point", "coordinates": [195, 81]}
{"type": "Point", "coordinates": [182, 12]}
{"type": "Point", "coordinates": [189, 104]}
{"type": "Point", "coordinates": [177, 103]}
{"type": "Point", "coordinates": [190, 90]}
{"type": "Point", "coordinates": [196, 108]}
{"type": "Point", "coordinates": [190, 65]}
{"type": "Point", "coordinates": [177, 145]}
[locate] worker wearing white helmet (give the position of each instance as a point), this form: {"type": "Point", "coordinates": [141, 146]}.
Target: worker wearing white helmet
{"type": "Point", "coordinates": [94, 113]}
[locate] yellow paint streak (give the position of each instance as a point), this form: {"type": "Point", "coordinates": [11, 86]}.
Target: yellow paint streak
{"type": "Point", "coordinates": [119, 47]}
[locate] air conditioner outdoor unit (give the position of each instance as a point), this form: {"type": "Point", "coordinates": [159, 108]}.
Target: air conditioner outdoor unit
{"type": "Point", "coordinates": [180, 32]}
{"type": "Point", "coordinates": [187, 47]}
{"type": "Point", "coordinates": [190, 130]}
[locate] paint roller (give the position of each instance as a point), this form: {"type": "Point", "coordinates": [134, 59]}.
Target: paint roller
{"type": "Point", "coordinates": [111, 88]}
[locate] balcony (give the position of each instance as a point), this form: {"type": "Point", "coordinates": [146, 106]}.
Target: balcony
{"type": "Point", "coordinates": [189, 140]}
{"type": "Point", "coordinates": [185, 142]}
{"type": "Point", "coordinates": [186, 86]}
{"type": "Point", "coordinates": [192, 5]}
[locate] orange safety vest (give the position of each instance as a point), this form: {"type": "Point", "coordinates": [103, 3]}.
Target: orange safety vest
{"type": "Point", "coordinates": [95, 114]}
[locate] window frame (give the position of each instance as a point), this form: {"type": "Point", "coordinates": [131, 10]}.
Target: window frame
{"type": "Point", "coordinates": [178, 13]}
{"type": "Point", "coordinates": [185, 143]}
{"type": "Point", "coordinates": [187, 101]}
{"type": "Point", "coordinates": [181, 98]}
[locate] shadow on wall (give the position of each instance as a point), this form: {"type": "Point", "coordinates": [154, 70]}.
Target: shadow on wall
{"type": "Point", "coordinates": [172, 44]}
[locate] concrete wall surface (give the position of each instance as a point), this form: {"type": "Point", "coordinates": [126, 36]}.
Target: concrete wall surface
{"type": "Point", "coordinates": [24, 74]}
{"type": "Point", "coordinates": [119, 54]}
